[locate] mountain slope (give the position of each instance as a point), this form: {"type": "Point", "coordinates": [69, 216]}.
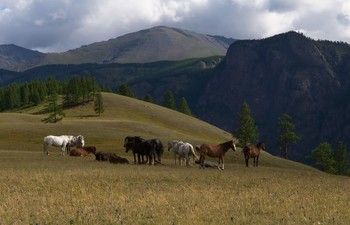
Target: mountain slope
{"type": "Point", "coordinates": [16, 58]}
{"type": "Point", "coordinates": [123, 116]}
{"type": "Point", "coordinates": [287, 73]}
{"type": "Point", "coordinates": [150, 45]}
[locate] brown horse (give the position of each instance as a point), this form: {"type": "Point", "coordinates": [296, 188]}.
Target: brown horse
{"type": "Point", "coordinates": [215, 151]}
{"type": "Point", "coordinates": [83, 151]}
{"type": "Point", "coordinates": [253, 152]}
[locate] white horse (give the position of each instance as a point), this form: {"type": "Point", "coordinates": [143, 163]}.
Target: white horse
{"type": "Point", "coordinates": [183, 150]}
{"type": "Point", "coordinates": [62, 141]}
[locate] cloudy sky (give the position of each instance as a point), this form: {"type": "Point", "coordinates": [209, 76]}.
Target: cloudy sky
{"type": "Point", "coordinates": [59, 25]}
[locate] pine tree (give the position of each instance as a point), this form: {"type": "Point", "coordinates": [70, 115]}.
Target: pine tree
{"type": "Point", "coordinates": [184, 108]}
{"type": "Point", "coordinates": [55, 110]}
{"type": "Point", "coordinates": [286, 134]}
{"type": "Point", "coordinates": [324, 157]}
{"type": "Point", "coordinates": [125, 91]}
{"type": "Point", "coordinates": [341, 157]}
{"type": "Point", "coordinates": [246, 132]}
{"type": "Point", "coordinates": [148, 98]}
{"type": "Point", "coordinates": [169, 101]}
{"type": "Point", "coordinates": [98, 106]}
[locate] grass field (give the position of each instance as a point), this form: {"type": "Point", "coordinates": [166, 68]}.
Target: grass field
{"type": "Point", "coordinates": [40, 189]}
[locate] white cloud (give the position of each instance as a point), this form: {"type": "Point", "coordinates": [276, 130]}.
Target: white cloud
{"type": "Point", "coordinates": [61, 25]}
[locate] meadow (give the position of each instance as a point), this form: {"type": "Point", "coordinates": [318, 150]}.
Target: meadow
{"type": "Point", "coordinates": [40, 189]}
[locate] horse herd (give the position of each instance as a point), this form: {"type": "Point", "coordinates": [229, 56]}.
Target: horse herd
{"type": "Point", "coordinates": [151, 151]}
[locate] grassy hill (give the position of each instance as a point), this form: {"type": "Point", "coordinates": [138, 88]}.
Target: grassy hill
{"type": "Point", "coordinates": [40, 189]}
{"type": "Point", "coordinates": [123, 116]}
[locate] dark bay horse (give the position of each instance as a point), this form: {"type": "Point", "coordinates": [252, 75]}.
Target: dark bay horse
{"type": "Point", "coordinates": [253, 152]}
{"type": "Point", "coordinates": [142, 147]}
{"type": "Point", "coordinates": [110, 157]}
{"type": "Point", "coordinates": [216, 151]}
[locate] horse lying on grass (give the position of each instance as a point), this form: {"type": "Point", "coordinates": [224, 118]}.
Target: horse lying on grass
{"type": "Point", "coordinates": [83, 151]}
{"type": "Point", "coordinates": [110, 157]}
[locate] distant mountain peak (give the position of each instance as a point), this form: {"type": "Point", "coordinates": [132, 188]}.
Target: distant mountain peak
{"type": "Point", "coordinates": [160, 43]}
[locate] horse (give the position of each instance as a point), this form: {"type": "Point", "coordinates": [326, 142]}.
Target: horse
{"type": "Point", "coordinates": [213, 150]}
{"type": "Point", "coordinates": [103, 156]}
{"type": "Point", "coordinates": [74, 141]}
{"type": "Point", "coordinates": [183, 150]}
{"type": "Point", "coordinates": [110, 157]}
{"type": "Point", "coordinates": [128, 143]}
{"type": "Point", "coordinates": [83, 151]}
{"type": "Point", "coordinates": [140, 146]}
{"type": "Point", "coordinates": [253, 152]}
{"type": "Point", "coordinates": [117, 159]}
{"type": "Point", "coordinates": [62, 141]}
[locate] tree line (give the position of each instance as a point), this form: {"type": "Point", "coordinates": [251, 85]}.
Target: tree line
{"type": "Point", "coordinates": [57, 94]}
{"type": "Point", "coordinates": [168, 100]}
{"type": "Point", "coordinates": [325, 158]}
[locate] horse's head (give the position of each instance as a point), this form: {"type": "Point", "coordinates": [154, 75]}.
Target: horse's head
{"type": "Point", "coordinates": [80, 141]}
{"type": "Point", "coordinates": [262, 145]}
{"type": "Point", "coordinates": [233, 145]}
{"type": "Point", "coordinates": [129, 139]}
{"type": "Point", "coordinates": [170, 145]}
{"type": "Point", "coordinates": [128, 146]}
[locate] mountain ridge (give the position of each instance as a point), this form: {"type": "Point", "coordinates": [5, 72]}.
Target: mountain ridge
{"type": "Point", "coordinates": [149, 45]}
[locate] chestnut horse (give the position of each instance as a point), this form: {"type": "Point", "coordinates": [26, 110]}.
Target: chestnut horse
{"type": "Point", "coordinates": [215, 151]}
{"type": "Point", "coordinates": [83, 151]}
{"type": "Point", "coordinates": [253, 152]}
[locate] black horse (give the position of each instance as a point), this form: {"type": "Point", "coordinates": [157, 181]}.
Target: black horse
{"type": "Point", "coordinates": [142, 147]}
{"type": "Point", "coordinates": [129, 141]}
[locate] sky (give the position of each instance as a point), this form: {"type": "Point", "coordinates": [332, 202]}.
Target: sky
{"type": "Point", "coordinates": [60, 25]}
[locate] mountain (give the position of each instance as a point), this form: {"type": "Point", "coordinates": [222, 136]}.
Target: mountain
{"type": "Point", "coordinates": [150, 45]}
{"type": "Point", "coordinates": [16, 58]}
{"type": "Point", "coordinates": [288, 73]}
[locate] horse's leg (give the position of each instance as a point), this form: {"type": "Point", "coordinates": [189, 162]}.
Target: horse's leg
{"type": "Point", "coordinates": [139, 158]}
{"type": "Point", "coordinates": [134, 157]}
{"type": "Point", "coordinates": [257, 161]}
{"type": "Point", "coordinates": [202, 158]}
{"type": "Point", "coordinates": [246, 160]}
{"type": "Point", "coordinates": [46, 149]}
{"type": "Point", "coordinates": [63, 149]}
{"type": "Point", "coordinates": [223, 165]}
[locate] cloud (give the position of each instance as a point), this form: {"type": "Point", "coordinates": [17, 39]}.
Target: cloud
{"type": "Point", "coordinates": [61, 25]}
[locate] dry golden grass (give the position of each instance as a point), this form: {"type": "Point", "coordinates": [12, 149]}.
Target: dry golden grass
{"type": "Point", "coordinates": [40, 189]}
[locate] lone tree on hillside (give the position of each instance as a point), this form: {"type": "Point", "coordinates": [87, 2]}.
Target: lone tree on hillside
{"type": "Point", "coordinates": [148, 98]}
{"type": "Point", "coordinates": [169, 101]}
{"type": "Point", "coordinates": [184, 107]}
{"type": "Point", "coordinates": [246, 131]}
{"type": "Point", "coordinates": [98, 104]}
{"type": "Point", "coordinates": [286, 133]}
{"type": "Point", "coordinates": [55, 110]}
